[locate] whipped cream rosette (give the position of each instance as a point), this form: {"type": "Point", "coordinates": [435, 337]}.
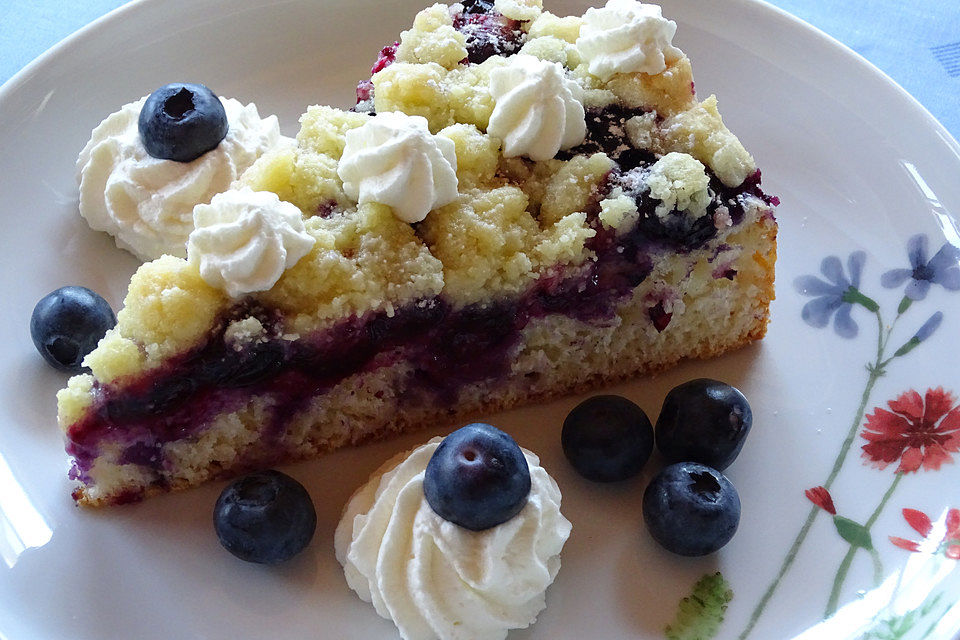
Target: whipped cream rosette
{"type": "Point", "coordinates": [435, 579]}
{"type": "Point", "coordinates": [244, 240]}
{"type": "Point", "coordinates": [146, 203]}
{"type": "Point", "coordinates": [393, 159]}
{"type": "Point", "coordinates": [626, 36]}
{"type": "Point", "coordinates": [538, 110]}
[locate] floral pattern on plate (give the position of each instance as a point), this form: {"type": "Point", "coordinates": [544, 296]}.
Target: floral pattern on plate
{"type": "Point", "coordinates": [916, 432]}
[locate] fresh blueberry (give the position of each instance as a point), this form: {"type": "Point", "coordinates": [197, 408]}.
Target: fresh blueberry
{"type": "Point", "coordinates": [705, 421]}
{"type": "Point", "coordinates": [477, 478]}
{"type": "Point", "coordinates": [181, 121]}
{"type": "Point", "coordinates": [607, 438]}
{"type": "Point", "coordinates": [691, 509]}
{"type": "Point", "coordinates": [68, 323]}
{"type": "Point", "coordinates": [265, 517]}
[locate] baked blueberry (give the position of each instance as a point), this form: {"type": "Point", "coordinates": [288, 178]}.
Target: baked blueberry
{"type": "Point", "coordinates": [265, 517]}
{"type": "Point", "coordinates": [691, 509]}
{"type": "Point", "coordinates": [477, 6]}
{"type": "Point", "coordinates": [705, 421]}
{"type": "Point", "coordinates": [182, 121]}
{"type": "Point", "coordinates": [607, 438]}
{"type": "Point", "coordinates": [68, 323]}
{"type": "Point", "coordinates": [477, 478]}
{"type": "Point", "coordinates": [487, 32]}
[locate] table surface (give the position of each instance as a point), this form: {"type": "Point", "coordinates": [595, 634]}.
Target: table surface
{"type": "Point", "coordinates": [916, 43]}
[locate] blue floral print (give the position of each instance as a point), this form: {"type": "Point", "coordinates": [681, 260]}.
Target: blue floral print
{"type": "Point", "coordinates": [942, 269]}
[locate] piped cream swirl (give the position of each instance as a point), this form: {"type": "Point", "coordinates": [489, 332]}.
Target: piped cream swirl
{"type": "Point", "coordinates": [393, 159]}
{"type": "Point", "coordinates": [435, 579]}
{"type": "Point", "coordinates": [626, 36]}
{"type": "Point", "coordinates": [537, 110]}
{"type": "Point", "coordinates": [147, 203]}
{"type": "Point", "coordinates": [244, 240]}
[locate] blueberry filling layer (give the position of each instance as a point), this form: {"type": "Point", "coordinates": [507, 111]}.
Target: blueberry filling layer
{"type": "Point", "coordinates": [448, 348]}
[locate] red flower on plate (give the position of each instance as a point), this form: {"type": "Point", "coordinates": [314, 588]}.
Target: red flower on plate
{"type": "Point", "coordinates": [921, 523]}
{"type": "Point", "coordinates": [821, 497]}
{"type": "Point", "coordinates": [917, 432]}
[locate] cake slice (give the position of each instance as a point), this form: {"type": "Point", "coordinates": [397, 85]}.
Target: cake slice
{"type": "Point", "coordinates": [519, 206]}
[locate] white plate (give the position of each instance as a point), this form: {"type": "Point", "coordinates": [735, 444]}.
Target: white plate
{"type": "Point", "coordinates": [859, 166]}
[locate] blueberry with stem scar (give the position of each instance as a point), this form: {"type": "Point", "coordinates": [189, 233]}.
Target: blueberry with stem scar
{"type": "Point", "coordinates": [181, 122]}
{"type": "Point", "coordinates": [691, 509]}
{"type": "Point", "coordinates": [477, 477]}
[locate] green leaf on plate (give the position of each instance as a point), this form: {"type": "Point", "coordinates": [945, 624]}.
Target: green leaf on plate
{"type": "Point", "coordinates": [853, 532]}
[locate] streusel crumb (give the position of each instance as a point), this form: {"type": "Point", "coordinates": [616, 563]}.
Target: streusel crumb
{"type": "Point", "coordinates": [433, 39]}
{"type": "Point", "coordinates": [566, 28]}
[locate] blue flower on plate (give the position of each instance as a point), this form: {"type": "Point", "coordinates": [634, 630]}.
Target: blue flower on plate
{"type": "Point", "coordinates": [943, 269]}
{"type": "Point", "coordinates": [924, 332]}
{"type": "Point", "coordinates": [833, 296]}
{"type": "Point", "coordinates": [931, 325]}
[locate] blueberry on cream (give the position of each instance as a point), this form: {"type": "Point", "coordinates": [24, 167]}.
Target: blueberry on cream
{"type": "Point", "coordinates": [477, 478]}
{"type": "Point", "coordinates": [147, 165]}
{"type": "Point", "coordinates": [181, 122]}
{"type": "Point", "coordinates": [436, 579]}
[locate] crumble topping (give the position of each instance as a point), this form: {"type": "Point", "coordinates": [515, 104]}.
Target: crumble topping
{"type": "Point", "coordinates": [74, 399]}
{"type": "Point", "coordinates": [700, 132]}
{"type": "Point", "coordinates": [552, 49]}
{"type": "Point", "coordinates": [619, 212]}
{"type": "Point", "coordinates": [668, 92]}
{"type": "Point", "coordinates": [323, 130]}
{"type": "Point", "coordinates": [364, 260]}
{"type": "Point", "coordinates": [477, 154]}
{"type": "Point", "coordinates": [641, 130]}
{"type": "Point", "coordinates": [243, 332]}
{"type": "Point", "coordinates": [169, 307]}
{"type": "Point", "coordinates": [566, 28]}
{"type": "Point", "coordinates": [572, 185]}
{"type": "Point", "coordinates": [433, 39]}
{"type": "Point", "coordinates": [484, 241]}
{"type": "Point", "coordinates": [523, 10]}
{"type": "Point", "coordinates": [680, 183]}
